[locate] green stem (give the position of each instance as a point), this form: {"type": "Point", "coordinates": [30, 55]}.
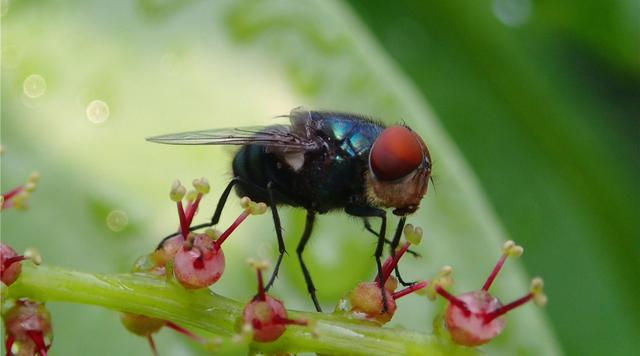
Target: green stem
{"type": "Point", "coordinates": [205, 310]}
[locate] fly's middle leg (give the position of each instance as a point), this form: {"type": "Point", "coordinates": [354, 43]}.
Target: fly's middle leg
{"type": "Point", "coordinates": [281, 247]}
{"type": "Point", "coordinates": [308, 227]}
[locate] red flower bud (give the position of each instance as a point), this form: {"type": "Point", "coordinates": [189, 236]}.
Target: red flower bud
{"type": "Point", "coordinates": [10, 266]}
{"type": "Point", "coordinates": [268, 318]}
{"type": "Point", "coordinates": [27, 328]}
{"type": "Point", "coordinates": [266, 315]}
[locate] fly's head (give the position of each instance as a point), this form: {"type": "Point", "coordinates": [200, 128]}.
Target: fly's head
{"type": "Point", "coordinates": [399, 170]}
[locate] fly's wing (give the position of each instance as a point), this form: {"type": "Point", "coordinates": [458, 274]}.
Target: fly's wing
{"type": "Point", "coordinates": [278, 137]}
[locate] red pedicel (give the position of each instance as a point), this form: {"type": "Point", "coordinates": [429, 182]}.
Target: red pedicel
{"type": "Point", "coordinates": [265, 314]}
{"type": "Point", "coordinates": [18, 197]}
{"type": "Point", "coordinates": [475, 318]}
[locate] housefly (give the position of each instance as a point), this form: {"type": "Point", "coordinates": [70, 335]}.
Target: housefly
{"type": "Point", "coordinates": [323, 161]}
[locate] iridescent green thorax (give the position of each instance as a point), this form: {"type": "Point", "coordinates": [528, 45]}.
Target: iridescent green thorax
{"type": "Point", "coordinates": [352, 138]}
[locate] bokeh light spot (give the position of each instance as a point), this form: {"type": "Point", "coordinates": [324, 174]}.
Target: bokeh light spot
{"type": "Point", "coordinates": [97, 111]}
{"type": "Point", "coordinates": [512, 12]}
{"type": "Point", "coordinates": [117, 220]}
{"type": "Point", "coordinates": [34, 86]}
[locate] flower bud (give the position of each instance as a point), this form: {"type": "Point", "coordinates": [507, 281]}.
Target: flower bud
{"type": "Point", "coordinates": [199, 265]}
{"type": "Point", "coordinates": [468, 326]}
{"type": "Point", "coordinates": [201, 185]}
{"type": "Point", "coordinates": [477, 317]}
{"type": "Point", "coordinates": [141, 325]}
{"type": "Point", "coordinates": [252, 207]}
{"type": "Point", "coordinates": [10, 266]}
{"type": "Point", "coordinates": [366, 298]}
{"type": "Point", "coordinates": [177, 191]}
{"type": "Point", "coordinates": [34, 255]}
{"type": "Point", "coordinates": [265, 315]}
{"type": "Point", "coordinates": [413, 234]}
{"type": "Point", "coordinates": [28, 328]}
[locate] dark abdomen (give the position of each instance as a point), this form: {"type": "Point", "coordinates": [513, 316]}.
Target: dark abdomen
{"type": "Point", "coordinates": [256, 168]}
{"type": "Point", "coordinates": [322, 184]}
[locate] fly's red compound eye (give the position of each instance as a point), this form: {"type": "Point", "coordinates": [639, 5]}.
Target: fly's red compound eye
{"type": "Point", "coordinates": [395, 153]}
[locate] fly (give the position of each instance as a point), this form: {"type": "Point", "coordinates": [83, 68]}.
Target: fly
{"type": "Point", "coordinates": [323, 161]}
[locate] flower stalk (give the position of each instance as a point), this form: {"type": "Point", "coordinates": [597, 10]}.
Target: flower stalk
{"type": "Point", "coordinates": [209, 312]}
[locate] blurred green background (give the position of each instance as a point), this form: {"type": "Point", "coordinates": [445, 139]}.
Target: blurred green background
{"type": "Point", "coordinates": [530, 107]}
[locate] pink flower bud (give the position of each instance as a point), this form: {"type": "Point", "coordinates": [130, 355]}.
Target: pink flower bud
{"type": "Point", "coordinates": [199, 265]}
{"type": "Point", "coordinates": [468, 326]}
{"type": "Point", "coordinates": [477, 317]}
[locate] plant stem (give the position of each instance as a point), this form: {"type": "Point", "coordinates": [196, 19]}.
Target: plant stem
{"type": "Point", "coordinates": [157, 297]}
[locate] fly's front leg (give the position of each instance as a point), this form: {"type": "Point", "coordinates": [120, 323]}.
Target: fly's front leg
{"type": "Point", "coordinates": [367, 226]}
{"type": "Point", "coordinates": [394, 245]}
{"type": "Point", "coordinates": [367, 212]}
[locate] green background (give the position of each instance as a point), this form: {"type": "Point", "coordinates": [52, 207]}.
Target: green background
{"type": "Point", "coordinates": [530, 108]}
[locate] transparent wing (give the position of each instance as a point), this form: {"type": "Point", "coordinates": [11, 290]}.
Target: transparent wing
{"type": "Point", "coordinates": [279, 136]}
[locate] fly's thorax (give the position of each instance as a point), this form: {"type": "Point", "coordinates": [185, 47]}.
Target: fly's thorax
{"type": "Point", "coordinates": [404, 194]}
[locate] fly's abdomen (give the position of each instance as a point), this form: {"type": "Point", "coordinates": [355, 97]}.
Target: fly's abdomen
{"type": "Point", "coordinates": [249, 165]}
{"type": "Point", "coordinates": [256, 168]}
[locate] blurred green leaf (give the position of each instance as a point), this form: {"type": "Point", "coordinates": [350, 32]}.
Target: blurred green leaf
{"type": "Point", "coordinates": [551, 129]}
